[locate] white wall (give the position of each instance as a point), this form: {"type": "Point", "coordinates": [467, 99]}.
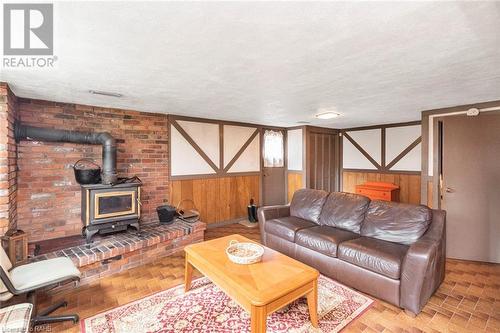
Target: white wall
{"type": "Point", "coordinates": [185, 160]}
{"type": "Point", "coordinates": [206, 136]}
{"type": "Point", "coordinates": [397, 139]}
{"type": "Point", "coordinates": [234, 138]}
{"type": "Point", "coordinates": [369, 140]}
{"type": "Point", "coordinates": [249, 161]}
{"type": "Point", "coordinates": [294, 149]}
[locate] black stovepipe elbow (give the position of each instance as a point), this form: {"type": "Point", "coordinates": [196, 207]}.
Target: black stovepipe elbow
{"type": "Point", "coordinates": [108, 143]}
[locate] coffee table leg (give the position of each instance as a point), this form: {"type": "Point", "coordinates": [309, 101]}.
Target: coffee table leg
{"type": "Point", "coordinates": [312, 303]}
{"type": "Point", "coordinates": [258, 317]}
{"type": "Point", "coordinates": [188, 274]}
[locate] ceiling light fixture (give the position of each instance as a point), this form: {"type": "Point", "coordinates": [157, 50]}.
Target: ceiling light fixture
{"type": "Point", "coordinates": [327, 115]}
{"type": "Point", "coordinates": [105, 93]}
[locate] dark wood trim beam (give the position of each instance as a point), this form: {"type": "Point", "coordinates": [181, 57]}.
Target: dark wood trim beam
{"type": "Point", "coordinates": [362, 151]}
{"type": "Point", "coordinates": [295, 127]}
{"type": "Point", "coordinates": [215, 175]}
{"type": "Point", "coordinates": [383, 171]}
{"type": "Point", "coordinates": [242, 149]}
{"type": "Point", "coordinates": [321, 130]}
{"type": "Point", "coordinates": [403, 153]}
{"type": "Point", "coordinates": [221, 147]}
{"type": "Point", "coordinates": [194, 145]}
{"type": "Point", "coordinates": [362, 128]}
{"type": "Point", "coordinates": [223, 122]}
{"type": "Point", "coordinates": [382, 142]}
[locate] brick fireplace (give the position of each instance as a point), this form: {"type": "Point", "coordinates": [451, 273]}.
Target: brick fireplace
{"type": "Point", "coordinates": [39, 193]}
{"type": "Point", "coordinates": [8, 159]}
{"type": "Point", "coordinates": [48, 197]}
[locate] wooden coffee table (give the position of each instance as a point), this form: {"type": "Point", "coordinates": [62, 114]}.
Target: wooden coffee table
{"type": "Point", "coordinates": [259, 288]}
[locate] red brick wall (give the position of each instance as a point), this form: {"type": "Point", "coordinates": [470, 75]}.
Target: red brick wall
{"type": "Point", "coordinates": [48, 195]}
{"type": "Point", "coordinates": [8, 159]}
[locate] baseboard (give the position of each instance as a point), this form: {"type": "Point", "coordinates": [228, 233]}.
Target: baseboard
{"type": "Point", "coordinates": [224, 223]}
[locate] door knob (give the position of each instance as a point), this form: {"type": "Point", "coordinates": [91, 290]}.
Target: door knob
{"type": "Point", "coordinates": [449, 190]}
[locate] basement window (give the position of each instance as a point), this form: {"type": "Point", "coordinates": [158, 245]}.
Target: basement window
{"type": "Point", "coordinates": [274, 154]}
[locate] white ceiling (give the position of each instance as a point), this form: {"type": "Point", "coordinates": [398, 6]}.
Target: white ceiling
{"type": "Point", "coordinates": [273, 62]}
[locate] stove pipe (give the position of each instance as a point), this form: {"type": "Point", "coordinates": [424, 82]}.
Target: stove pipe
{"type": "Point", "coordinates": [109, 175]}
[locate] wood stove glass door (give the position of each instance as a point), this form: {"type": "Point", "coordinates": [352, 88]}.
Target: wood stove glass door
{"type": "Point", "coordinates": [111, 204]}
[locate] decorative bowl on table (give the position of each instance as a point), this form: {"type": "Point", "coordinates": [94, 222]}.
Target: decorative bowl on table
{"type": "Point", "coordinates": [244, 253]}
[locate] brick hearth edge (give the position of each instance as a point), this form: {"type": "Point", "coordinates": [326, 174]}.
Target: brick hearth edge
{"type": "Point", "coordinates": [119, 252]}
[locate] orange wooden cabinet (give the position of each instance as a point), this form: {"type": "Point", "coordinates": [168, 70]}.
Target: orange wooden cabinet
{"type": "Point", "coordinates": [379, 191]}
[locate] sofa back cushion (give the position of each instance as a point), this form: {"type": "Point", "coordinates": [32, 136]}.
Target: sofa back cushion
{"type": "Point", "coordinates": [345, 211]}
{"type": "Point", "coordinates": [307, 204]}
{"type": "Point", "coordinates": [396, 222]}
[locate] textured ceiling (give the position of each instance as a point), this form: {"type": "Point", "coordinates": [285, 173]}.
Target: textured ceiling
{"type": "Point", "coordinates": [274, 63]}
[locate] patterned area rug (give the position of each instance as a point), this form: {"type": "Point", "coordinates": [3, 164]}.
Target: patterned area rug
{"type": "Point", "coordinates": [205, 308]}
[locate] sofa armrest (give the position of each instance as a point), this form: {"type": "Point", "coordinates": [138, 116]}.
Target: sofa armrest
{"type": "Point", "coordinates": [267, 213]}
{"type": "Point", "coordinates": [423, 267]}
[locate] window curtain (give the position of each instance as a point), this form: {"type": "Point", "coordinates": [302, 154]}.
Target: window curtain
{"type": "Point", "coordinates": [274, 153]}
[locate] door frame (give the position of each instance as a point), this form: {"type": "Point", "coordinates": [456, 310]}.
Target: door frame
{"type": "Point", "coordinates": [429, 190]}
{"type": "Point", "coordinates": [447, 143]}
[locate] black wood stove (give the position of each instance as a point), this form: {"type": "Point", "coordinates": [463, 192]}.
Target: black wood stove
{"type": "Point", "coordinates": [107, 208]}
{"type": "Point", "coordinates": [110, 206]}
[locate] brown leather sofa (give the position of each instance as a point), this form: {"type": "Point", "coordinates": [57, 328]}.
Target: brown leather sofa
{"type": "Point", "coordinates": [393, 251]}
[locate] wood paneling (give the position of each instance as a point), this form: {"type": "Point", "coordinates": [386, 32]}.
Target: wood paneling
{"type": "Point", "coordinates": [218, 199]}
{"type": "Point", "coordinates": [409, 184]}
{"type": "Point", "coordinates": [321, 162]}
{"type": "Point", "coordinates": [295, 182]}
{"type": "Point", "coordinates": [429, 193]}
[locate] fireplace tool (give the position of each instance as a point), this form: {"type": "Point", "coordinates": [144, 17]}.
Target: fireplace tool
{"type": "Point", "coordinates": [188, 215]}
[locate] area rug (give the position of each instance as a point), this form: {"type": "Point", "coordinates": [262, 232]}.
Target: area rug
{"type": "Point", "coordinates": [205, 308]}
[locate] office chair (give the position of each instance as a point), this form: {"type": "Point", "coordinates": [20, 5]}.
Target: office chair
{"type": "Point", "coordinates": [34, 277]}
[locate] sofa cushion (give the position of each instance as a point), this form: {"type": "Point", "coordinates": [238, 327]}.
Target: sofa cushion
{"type": "Point", "coordinates": [375, 255]}
{"type": "Point", "coordinates": [344, 210]}
{"type": "Point", "coordinates": [323, 239]}
{"type": "Point", "coordinates": [307, 204]}
{"type": "Point", "coordinates": [286, 227]}
{"type": "Point", "coordinates": [396, 222]}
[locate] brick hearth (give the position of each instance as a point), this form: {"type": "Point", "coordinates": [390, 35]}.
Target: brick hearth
{"type": "Point", "coordinates": [114, 253]}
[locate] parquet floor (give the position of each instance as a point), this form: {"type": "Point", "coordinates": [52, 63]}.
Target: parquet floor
{"type": "Point", "coordinates": [467, 301]}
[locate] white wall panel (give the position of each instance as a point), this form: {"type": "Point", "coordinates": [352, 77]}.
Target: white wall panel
{"type": "Point", "coordinates": [398, 138]}
{"type": "Point", "coordinates": [294, 149]}
{"type": "Point", "coordinates": [411, 161]}
{"type": "Point", "coordinates": [206, 136]}
{"type": "Point", "coordinates": [234, 138]}
{"type": "Point", "coordinates": [353, 159]}
{"type": "Point", "coordinates": [185, 160]}
{"type": "Point", "coordinates": [249, 160]}
{"type": "Point", "coordinates": [369, 140]}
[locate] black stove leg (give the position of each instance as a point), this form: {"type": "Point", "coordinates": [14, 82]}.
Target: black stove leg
{"type": "Point", "coordinates": [137, 227]}
{"type": "Point", "coordinates": [89, 234]}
